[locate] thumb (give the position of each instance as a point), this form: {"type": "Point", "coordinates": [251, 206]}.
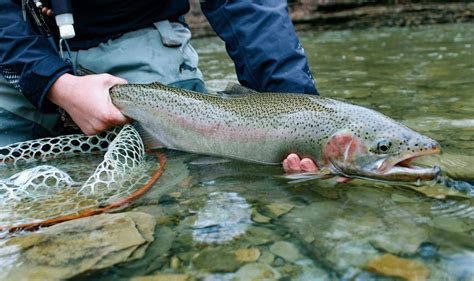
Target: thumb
{"type": "Point", "coordinates": [119, 118]}
{"type": "Point", "coordinates": [111, 80]}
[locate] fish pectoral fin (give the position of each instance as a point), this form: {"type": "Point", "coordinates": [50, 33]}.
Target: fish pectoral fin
{"type": "Point", "coordinates": [235, 89]}
{"type": "Point", "coordinates": [306, 176]}
{"type": "Point", "coordinates": [149, 141]}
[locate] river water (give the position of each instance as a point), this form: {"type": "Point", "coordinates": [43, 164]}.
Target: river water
{"type": "Point", "coordinates": [226, 220]}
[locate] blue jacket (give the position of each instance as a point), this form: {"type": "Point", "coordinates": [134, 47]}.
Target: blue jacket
{"type": "Point", "coordinates": [259, 37]}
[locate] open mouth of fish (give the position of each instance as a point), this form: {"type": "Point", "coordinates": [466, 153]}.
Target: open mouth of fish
{"type": "Point", "coordinates": [403, 169]}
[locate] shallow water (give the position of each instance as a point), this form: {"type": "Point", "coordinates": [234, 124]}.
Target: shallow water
{"type": "Point", "coordinates": [208, 209]}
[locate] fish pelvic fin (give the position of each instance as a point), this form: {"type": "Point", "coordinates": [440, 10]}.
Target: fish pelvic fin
{"type": "Point", "coordinates": [149, 141]}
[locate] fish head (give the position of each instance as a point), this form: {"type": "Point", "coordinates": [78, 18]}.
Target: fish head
{"type": "Point", "coordinates": [379, 148]}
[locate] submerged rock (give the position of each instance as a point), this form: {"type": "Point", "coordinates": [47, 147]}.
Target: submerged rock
{"type": "Point", "coordinates": [70, 248]}
{"type": "Point", "coordinates": [247, 255]}
{"type": "Point", "coordinates": [285, 250]}
{"type": "Point", "coordinates": [405, 239]}
{"type": "Point", "coordinates": [391, 265]}
{"type": "Point", "coordinates": [164, 277]}
{"type": "Point", "coordinates": [256, 271]}
{"type": "Point", "coordinates": [225, 216]}
{"type": "Point", "coordinates": [279, 209]}
{"type": "Point", "coordinates": [257, 217]}
{"type": "Point", "coordinates": [216, 260]}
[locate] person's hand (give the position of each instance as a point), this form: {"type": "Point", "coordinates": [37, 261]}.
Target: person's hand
{"type": "Point", "coordinates": [87, 100]}
{"type": "Point", "coordinates": [293, 164]}
{"type": "Point", "coordinates": [47, 11]}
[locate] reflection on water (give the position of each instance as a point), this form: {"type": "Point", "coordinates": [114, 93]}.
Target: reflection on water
{"type": "Point", "coordinates": [320, 228]}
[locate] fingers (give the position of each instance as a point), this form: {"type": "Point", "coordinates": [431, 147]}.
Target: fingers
{"type": "Point", "coordinates": [342, 179]}
{"type": "Point", "coordinates": [47, 11]}
{"type": "Point", "coordinates": [308, 165]}
{"type": "Point", "coordinates": [118, 118]}
{"type": "Point", "coordinates": [293, 163]}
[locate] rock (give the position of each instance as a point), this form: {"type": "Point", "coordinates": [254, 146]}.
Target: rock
{"type": "Point", "coordinates": [175, 194]}
{"type": "Point", "coordinates": [266, 257]}
{"type": "Point", "coordinates": [247, 255]}
{"type": "Point", "coordinates": [260, 235]}
{"type": "Point", "coordinates": [70, 248]}
{"type": "Point", "coordinates": [257, 217]}
{"type": "Point", "coordinates": [175, 263]}
{"type": "Point", "coordinates": [225, 216]}
{"type": "Point", "coordinates": [164, 277]}
{"type": "Point", "coordinates": [403, 238]}
{"type": "Point", "coordinates": [279, 209]}
{"type": "Point", "coordinates": [337, 238]}
{"type": "Point", "coordinates": [215, 260]}
{"type": "Point", "coordinates": [286, 250]}
{"type": "Point", "coordinates": [310, 271]}
{"type": "Point", "coordinates": [256, 271]}
{"type": "Point", "coordinates": [451, 224]}
{"type": "Point", "coordinates": [391, 265]}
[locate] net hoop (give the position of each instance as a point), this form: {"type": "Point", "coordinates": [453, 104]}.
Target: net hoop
{"type": "Point", "coordinates": [91, 212]}
{"type": "Point", "coordinates": [120, 144]}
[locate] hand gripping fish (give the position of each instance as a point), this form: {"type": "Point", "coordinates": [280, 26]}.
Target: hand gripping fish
{"type": "Point", "coordinates": [343, 139]}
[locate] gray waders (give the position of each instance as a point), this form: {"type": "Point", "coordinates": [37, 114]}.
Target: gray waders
{"type": "Point", "coordinates": [159, 53]}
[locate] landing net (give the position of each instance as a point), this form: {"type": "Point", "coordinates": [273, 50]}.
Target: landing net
{"type": "Point", "coordinates": [48, 189]}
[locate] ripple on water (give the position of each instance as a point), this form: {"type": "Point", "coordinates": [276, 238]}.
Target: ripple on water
{"type": "Point", "coordinates": [452, 208]}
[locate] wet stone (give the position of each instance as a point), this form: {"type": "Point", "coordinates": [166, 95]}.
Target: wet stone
{"type": "Point", "coordinates": [175, 263]}
{"type": "Point", "coordinates": [279, 209]}
{"type": "Point", "coordinates": [278, 262]}
{"type": "Point", "coordinates": [164, 277]}
{"type": "Point", "coordinates": [266, 257]}
{"type": "Point", "coordinates": [256, 271]}
{"type": "Point", "coordinates": [74, 247]}
{"type": "Point", "coordinates": [257, 217]}
{"type": "Point", "coordinates": [451, 224]}
{"type": "Point", "coordinates": [310, 271]}
{"type": "Point", "coordinates": [260, 235]}
{"type": "Point", "coordinates": [405, 239]}
{"type": "Point", "coordinates": [286, 250]}
{"type": "Point", "coordinates": [215, 260]}
{"type": "Point", "coordinates": [391, 265]}
{"type": "Point", "coordinates": [247, 255]}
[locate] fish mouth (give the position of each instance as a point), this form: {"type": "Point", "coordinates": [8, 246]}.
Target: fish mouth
{"type": "Point", "coordinates": [402, 169]}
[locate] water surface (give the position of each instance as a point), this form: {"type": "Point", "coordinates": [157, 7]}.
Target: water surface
{"type": "Point", "coordinates": [209, 209]}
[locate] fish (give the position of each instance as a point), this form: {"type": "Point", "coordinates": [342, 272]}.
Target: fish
{"type": "Point", "coordinates": [342, 138]}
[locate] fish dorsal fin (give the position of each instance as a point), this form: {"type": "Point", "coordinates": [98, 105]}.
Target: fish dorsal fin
{"type": "Point", "coordinates": [237, 89]}
{"type": "Point", "coordinates": [156, 84]}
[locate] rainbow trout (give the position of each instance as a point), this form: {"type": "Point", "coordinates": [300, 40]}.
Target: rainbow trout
{"type": "Point", "coordinates": [342, 138]}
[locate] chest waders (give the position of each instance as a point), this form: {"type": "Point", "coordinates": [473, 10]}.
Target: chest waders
{"type": "Point", "coordinates": [161, 53]}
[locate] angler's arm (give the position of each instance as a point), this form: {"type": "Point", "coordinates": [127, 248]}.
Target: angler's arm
{"type": "Point", "coordinates": [45, 79]}
{"type": "Point", "coordinates": [29, 56]}
{"type": "Point", "coordinates": [261, 40]}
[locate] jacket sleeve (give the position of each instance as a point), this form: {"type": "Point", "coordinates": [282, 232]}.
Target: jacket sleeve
{"type": "Point", "coordinates": [27, 59]}
{"type": "Point", "coordinates": [261, 40]}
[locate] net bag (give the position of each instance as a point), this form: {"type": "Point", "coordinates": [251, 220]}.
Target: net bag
{"type": "Point", "coordinates": [44, 194]}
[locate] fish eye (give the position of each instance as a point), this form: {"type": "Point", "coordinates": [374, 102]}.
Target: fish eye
{"type": "Point", "coordinates": [384, 146]}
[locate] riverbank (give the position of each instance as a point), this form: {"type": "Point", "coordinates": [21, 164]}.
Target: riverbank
{"type": "Point", "coordinates": [337, 15]}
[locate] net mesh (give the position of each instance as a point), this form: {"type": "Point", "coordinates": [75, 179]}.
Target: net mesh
{"type": "Point", "coordinates": [42, 192]}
